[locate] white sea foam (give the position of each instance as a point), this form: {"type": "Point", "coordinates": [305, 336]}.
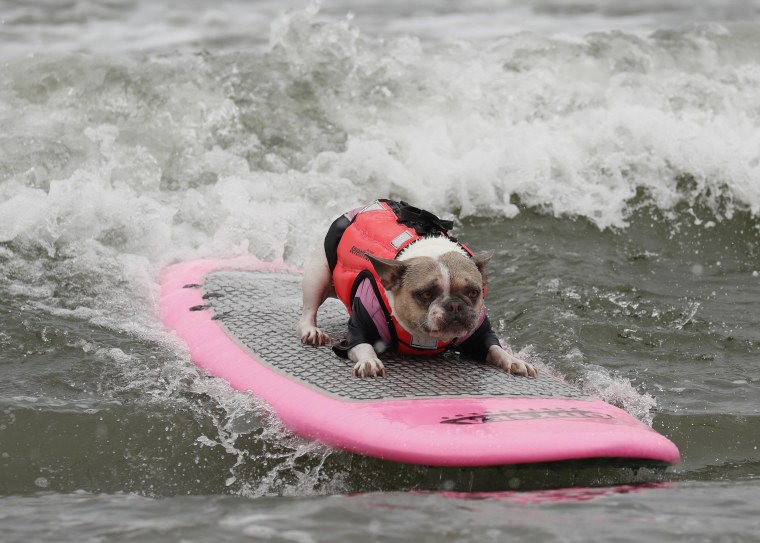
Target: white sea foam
{"type": "Point", "coordinates": [160, 159]}
{"type": "Point", "coordinates": [155, 25]}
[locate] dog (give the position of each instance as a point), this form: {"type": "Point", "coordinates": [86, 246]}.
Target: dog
{"type": "Point", "coordinates": [429, 297]}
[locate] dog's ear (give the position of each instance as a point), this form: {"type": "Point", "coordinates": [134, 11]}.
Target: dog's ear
{"type": "Point", "coordinates": [481, 260]}
{"type": "Point", "coordinates": [391, 272]}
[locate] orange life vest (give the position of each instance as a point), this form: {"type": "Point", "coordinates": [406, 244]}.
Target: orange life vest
{"type": "Point", "coordinates": [384, 229]}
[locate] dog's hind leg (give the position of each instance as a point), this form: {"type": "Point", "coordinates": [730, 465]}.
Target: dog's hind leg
{"type": "Point", "coordinates": [317, 287]}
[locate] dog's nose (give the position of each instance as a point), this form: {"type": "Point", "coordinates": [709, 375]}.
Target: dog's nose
{"type": "Point", "coordinates": [454, 306]}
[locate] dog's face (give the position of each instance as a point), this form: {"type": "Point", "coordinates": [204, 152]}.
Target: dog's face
{"type": "Point", "coordinates": [440, 297]}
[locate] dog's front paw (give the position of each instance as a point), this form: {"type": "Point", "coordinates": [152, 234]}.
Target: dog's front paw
{"type": "Point", "coordinates": [509, 363]}
{"type": "Point", "coordinates": [311, 335]}
{"type": "Point", "coordinates": [369, 367]}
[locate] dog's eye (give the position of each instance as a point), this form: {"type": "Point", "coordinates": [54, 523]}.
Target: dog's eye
{"type": "Point", "coordinates": [425, 296]}
{"type": "Point", "coordinates": [473, 294]}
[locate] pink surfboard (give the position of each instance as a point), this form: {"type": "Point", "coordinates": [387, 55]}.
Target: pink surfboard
{"type": "Point", "coordinates": [238, 318]}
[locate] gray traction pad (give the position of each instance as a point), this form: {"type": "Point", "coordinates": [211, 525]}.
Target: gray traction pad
{"type": "Point", "coordinates": [259, 312]}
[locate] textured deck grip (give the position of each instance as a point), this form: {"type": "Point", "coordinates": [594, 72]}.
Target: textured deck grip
{"type": "Point", "coordinates": [260, 310]}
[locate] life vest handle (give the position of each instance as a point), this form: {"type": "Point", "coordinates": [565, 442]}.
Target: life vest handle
{"type": "Point", "coordinates": [421, 220]}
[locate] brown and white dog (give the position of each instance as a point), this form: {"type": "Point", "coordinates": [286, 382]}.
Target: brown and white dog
{"type": "Point", "coordinates": [434, 289]}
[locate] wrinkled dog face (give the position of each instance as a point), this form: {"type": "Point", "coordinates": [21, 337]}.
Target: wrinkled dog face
{"type": "Point", "coordinates": [439, 298]}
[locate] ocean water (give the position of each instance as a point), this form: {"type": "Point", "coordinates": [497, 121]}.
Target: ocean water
{"type": "Point", "coordinates": [608, 151]}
